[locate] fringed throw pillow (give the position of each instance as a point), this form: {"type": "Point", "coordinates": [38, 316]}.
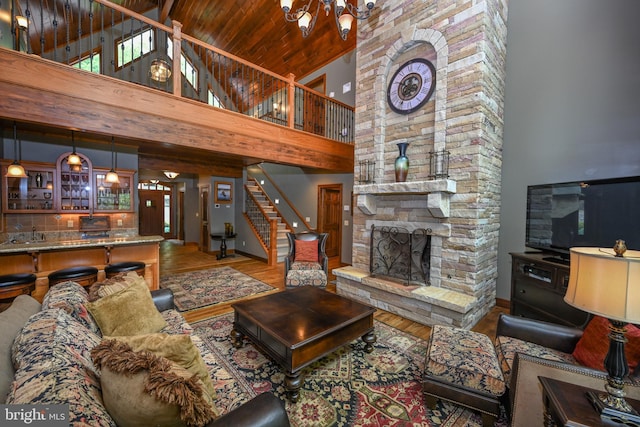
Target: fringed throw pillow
{"type": "Point", "coordinates": [142, 389]}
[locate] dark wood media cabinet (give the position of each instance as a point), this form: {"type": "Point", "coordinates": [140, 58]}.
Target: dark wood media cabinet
{"type": "Point", "coordinates": [538, 286]}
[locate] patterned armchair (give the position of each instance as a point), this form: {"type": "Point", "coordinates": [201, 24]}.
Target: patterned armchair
{"type": "Point", "coordinates": [307, 263]}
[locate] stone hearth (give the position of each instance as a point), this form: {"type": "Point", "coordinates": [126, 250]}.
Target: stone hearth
{"type": "Point", "coordinates": [428, 305]}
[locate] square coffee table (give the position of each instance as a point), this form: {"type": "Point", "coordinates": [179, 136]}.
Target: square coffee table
{"type": "Point", "coordinates": [298, 326]}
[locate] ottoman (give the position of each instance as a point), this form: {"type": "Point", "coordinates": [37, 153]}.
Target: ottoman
{"type": "Point", "coordinates": [462, 367]}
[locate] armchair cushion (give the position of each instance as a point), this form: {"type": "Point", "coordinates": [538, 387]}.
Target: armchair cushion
{"type": "Point", "coordinates": [306, 251]}
{"type": "Point", "coordinates": [593, 346]}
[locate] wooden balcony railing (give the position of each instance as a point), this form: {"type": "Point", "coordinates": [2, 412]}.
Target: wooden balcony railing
{"type": "Point", "coordinates": [86, 33]}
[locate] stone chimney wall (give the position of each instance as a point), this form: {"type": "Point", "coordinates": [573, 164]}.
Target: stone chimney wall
{"type": "Point", "coordinates": [466, 42]}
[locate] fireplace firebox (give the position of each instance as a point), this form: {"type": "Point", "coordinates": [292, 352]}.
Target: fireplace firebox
{"type": "Point", "coordinates": [400, 255]}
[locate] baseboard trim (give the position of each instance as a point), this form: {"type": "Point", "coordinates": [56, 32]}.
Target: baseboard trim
{"type": "Point", "coordinates": [503, 303]}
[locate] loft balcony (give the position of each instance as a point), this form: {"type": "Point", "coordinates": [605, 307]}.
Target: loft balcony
{"type": "Point", "coordinates": [215, 115]}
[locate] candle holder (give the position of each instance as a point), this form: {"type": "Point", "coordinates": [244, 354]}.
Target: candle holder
{"type": "Point", "coordinates": [439, 164]}
{"type": "Point", "coordinates": [367, 172]}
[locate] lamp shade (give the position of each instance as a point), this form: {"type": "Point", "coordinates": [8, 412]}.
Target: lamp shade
{"type": "Point", "coordinates": [604, 284]}
{"type": "Point", "coordinates": [345, 22]}
{"type": "Point", "coordinates": [304, 19]}
{"type": "Point", "coordinates": [15, 170]}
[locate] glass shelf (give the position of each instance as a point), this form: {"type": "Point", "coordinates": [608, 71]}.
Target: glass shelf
{"type": "Point", "coordinates": [113, 197]}
{"type": "Point", "coordinates": [75, 184]}
{"type": "Point", "coordinates": [36, 193]}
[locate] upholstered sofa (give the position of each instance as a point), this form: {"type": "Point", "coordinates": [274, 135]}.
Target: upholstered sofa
{"type": "Point", "coordinates": [528, 349]}
{"type": "Point", "coordinates": [47, 354]}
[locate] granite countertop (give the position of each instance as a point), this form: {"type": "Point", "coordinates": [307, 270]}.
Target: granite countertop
{"type": "Point", "coordinates": [52, 245]}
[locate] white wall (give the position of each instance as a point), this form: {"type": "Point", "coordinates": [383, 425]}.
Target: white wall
{"type": "Point", "coordinates": [572, 108]}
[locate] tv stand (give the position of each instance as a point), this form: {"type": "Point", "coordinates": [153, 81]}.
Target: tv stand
{"type": "Point", "coordinates": [557, 260]}
{"type": "Point", "coordinates": [538, 285]}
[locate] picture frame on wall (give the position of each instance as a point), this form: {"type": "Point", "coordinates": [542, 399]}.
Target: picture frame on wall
{"type": "Point", "coordinates": [223, 192]}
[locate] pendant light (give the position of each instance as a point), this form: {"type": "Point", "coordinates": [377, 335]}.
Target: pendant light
{"type": "Point", "coordinates": [74, 161]}
{"type": "Point", "coordinates": [15, 169]}
{"type": "Point", "coordinates": [112, 176]}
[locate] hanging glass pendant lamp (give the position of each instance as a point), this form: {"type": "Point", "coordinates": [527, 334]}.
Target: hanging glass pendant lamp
{"type": "Point", "coordinates": [112, 176]}
{"type": "Point", "coordinates": [74, 161]}
{"type": "Point", "coordinates": [15, 169]}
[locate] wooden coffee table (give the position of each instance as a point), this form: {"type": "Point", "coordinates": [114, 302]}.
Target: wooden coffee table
{"type": "Point", "coordinates": [298, 326]}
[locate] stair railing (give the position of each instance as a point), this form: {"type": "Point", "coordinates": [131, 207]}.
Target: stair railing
{"type": "Point", "coordinates": [280, 194]}
{"type": "Point", "coordinates": [265, 227]}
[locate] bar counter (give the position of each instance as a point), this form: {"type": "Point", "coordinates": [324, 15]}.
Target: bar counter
{"type": "Point", "coordinates": [44, 257]}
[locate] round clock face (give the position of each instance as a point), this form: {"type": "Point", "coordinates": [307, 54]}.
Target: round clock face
{"type": "Point", "coordinates": [411, 86]}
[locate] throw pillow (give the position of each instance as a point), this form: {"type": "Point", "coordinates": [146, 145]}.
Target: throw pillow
{"type": "Point", "coordinates": [127, 312]}
{"type": "Point", "coordinates": [307, 250]}
{"type": "Point", "coordinates": [140, 388]}
{"type": "Point", "coordinates": [72, 298]}
{"type": "Point", "coordinates": [12, 321]}
{"type": "Point", "coordinates": [592, 348]}
{"type": "Point", "coordinates": [177, 348]}
{"type": "Point", "coordinates": [112, 285]}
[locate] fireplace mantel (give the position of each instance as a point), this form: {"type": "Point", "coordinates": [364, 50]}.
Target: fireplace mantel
{"type": "Point", "coordinates": [438, 193]}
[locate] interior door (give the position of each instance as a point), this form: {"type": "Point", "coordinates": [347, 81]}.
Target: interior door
{"type": "Point", "coordinates": [151, 213]}
{"type": "Point", "coordinates": [315, 107]}
{"type": "Point", "coordinates": [205, 237]}
{"type": "Point", "coordinates": [330, 216]}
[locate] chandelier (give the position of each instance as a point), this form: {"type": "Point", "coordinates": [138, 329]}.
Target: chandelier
{"type": "Point", "coordinates": [343, 10]}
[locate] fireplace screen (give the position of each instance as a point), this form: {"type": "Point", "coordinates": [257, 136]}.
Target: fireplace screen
{"type": "Point", "coordinates": [399, 254]}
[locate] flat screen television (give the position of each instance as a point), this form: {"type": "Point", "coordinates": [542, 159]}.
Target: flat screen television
{"type": "Point", "coordinates": [592, 213]}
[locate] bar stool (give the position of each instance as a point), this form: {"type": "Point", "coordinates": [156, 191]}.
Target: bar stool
{"type": "Point", "coordinates": [84, 276]}
{"type": "Point", "coordinates": [12, 285]}
{"type": "Point", "coordinates": [123, 267]}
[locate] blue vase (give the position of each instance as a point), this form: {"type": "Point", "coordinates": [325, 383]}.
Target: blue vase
{"type": "Point", "coordinates": [402, 162]}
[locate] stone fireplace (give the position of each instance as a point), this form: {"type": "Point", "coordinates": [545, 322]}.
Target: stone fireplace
{"type": "Point", "coordinates": [466, 42]}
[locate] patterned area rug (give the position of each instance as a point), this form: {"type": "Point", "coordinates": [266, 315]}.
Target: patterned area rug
{"type": "Point", "coordinates": [347, 388]}
{"type": "Point", "coordinates": [196, 289]}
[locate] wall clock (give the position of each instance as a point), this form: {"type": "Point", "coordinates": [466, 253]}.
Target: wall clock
{"type": "Point", "coordinates": [411, 86]}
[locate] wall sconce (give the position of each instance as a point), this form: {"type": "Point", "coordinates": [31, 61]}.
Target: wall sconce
{"type": "Point", "coordinates": [15, 169]}
{"type": "Point", "coordinates": [160, 70]}
{"type": "Point", "coordinates": [171, 175]}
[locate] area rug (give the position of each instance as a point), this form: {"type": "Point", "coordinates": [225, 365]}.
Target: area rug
{"type": "Point", "coordinates": [201, 288]}
{"type": "Point", "coordinates": [347, 388]}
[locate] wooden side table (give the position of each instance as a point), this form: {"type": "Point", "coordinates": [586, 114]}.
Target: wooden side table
{"type": "Point", "coordinates": [566, 404]}
{"type": "Point", "coordinates": [223, 243]}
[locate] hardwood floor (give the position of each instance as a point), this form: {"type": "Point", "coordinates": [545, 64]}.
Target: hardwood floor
{"type": "Point", "coordinates": [177, 258]}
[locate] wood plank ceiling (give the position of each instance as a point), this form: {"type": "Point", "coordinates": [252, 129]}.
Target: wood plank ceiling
{"type": "Point", "coordinates": [254, 30]}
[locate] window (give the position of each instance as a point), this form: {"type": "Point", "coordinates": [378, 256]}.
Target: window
{"type": "Point", "coordinates": [130, 48]}
{"type": "Point", "coordinates": [213, 100]}
{"type": "Point", "coordinates": [90, 62]}
{"type": "Point", "coordinates": [186, 66]}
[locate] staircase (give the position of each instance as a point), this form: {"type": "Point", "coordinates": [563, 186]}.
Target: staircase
{"type": "Point", "coordinates": [283, 229]}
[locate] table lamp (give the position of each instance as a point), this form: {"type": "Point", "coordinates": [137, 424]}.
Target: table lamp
{"type": "Point", "coordinates": [606, 282]}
